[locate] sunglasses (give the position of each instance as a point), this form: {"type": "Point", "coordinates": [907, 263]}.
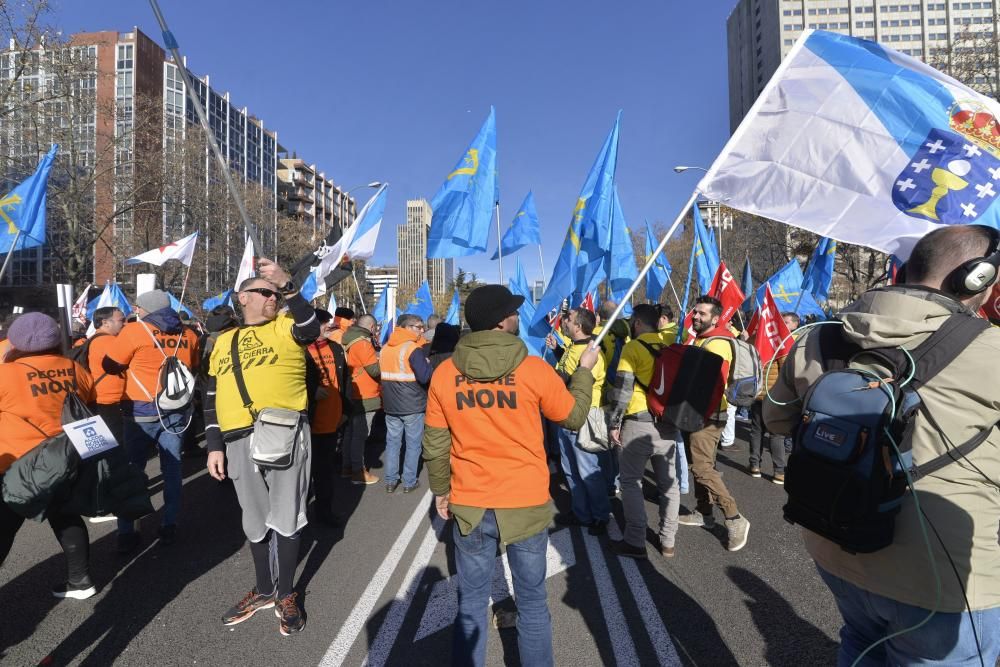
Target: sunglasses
{"type": "Point", "coordinates": [265, 292]}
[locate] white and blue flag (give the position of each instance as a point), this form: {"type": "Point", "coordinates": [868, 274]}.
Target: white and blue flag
{"type": "Point", "coordinates": [863, 144]}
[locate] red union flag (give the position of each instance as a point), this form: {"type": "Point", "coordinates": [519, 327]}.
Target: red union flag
{"type": "Point", "coordinates": [725, 289]}
{"type": "Point", "coordinates": [688, 329]}
{"type": "Point", "coordinates": [771, 338]}
{"type": "Point", "coordinates": [588, 303]}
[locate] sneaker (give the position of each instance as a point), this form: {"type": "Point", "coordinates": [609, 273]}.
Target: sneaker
{"type": "Point", "coordinates": [128, 542]}
{"type": "Point", "coordinates": [251, 603]}
{"type": "Point", "coordinates": [667, 552]}
{"type": "Point", "coordinates": [363, 477]}
{"type": "Point", "coordinates": [287, 609]}
{"type": "Point", "coordinates": [727, 445]}
{"type": "Point", "coordinates": [623, 548]}
{"type": "Point", "coordinates": [598, 528]}
{"type": "Point", "coordinates": [80, 591]}
{"type": "Point", "coordinates": [167, 534]}
{"type": "Point", "coordinates": [391, 487]}
{"type": "Point", "coordinates": [739, 530]}
{"type": "Point", "coordinates": [755, 471]}
{"type": "Point", "coordinates": [696, 519]}
{"type": "Point", "coordinates": [102, 519]}
{"type": "Point", "coordinates": [779, 478]}
{"type": "Point", "coordinates": [410, 489]}
{"type": "Point", "coordinates": [346, 473]}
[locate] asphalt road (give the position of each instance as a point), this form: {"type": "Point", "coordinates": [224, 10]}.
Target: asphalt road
{"type": "Point", "coordinates": [376, 590]}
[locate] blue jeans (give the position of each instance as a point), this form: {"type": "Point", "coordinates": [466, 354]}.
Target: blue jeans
{"type": "Point", "coordinates": [139, 436]}
{"type": "Point", "coordinates": [475, 557]}
{"type": "Point", "coordinates": [946, 639]}
{"type": "Point", "coordinates": [588, 486]}
{"type": "Point", "coordinates": [682, 463]}
{"type": "Point", "coordinates": [398, 427]}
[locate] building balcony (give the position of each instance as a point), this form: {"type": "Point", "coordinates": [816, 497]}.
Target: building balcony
{"type": "Point", "coordinates": [302, 181]}
{"type": "Point", "coordinates": [300, 194]}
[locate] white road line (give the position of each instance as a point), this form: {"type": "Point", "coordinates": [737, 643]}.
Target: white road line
{"type": "Point", "coordinates": [666, 652]}
{"type": "Point", "coordinates": [379, 651]}
{"type": "Point", "coordinates": [614, 619]}
{"type": "Point", "coordinates": [355, 623]}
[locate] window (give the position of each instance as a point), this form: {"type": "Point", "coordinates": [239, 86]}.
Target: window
{"type": "Point", "coordinates": [787, 12]}
{"type": "Point", "coordinates": [822, 11]}
{"type": "Point", "coordinates": [789, 42]}
{"type": "Point", "coordinates": [812, 11]}
{"type": "Point", "coordinates": [845, 25]}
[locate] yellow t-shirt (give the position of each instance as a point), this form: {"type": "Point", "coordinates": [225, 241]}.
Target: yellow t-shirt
{"type": "Point", "coordinates": [724, 349]}
{"type": "Point", "coordinates": [668, 334]}
{"type": "Point", "coordinates": [638, 360]}
{"type": "Point", "coordinates": [274, 370]}
{"type": "Point", "coordinates": [570, 360]}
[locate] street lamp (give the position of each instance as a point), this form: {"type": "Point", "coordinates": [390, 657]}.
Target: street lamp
{"type": "Point", "coordinates": [680, 169]}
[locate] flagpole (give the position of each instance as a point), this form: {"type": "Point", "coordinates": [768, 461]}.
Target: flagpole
{"type": "Point", "coordinates": [361, 299]}
{"type": "Point", "coordinates": [187, 274]}
{"type": "Point", "coordinates": [673, 289]}
{"type": "Point", "coordinates": [500, 243]}
{"type": "Point", "coordinates": [10, 253]}
{"type": "Point", "coordinates": [541, 263]}
{"type": "Point", "coordinates": [645, 269]}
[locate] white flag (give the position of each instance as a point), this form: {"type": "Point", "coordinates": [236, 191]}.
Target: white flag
{"type": "Point", "coordinates": [358, 241]}
{"type": "Point", "coordinates": [246, 265]}
{"type": "Point", "coordinates": [182, 251]}
{"type": "Point", "coordinates": [80, 306]}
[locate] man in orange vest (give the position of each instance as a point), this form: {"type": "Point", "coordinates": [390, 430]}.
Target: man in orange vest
{"type": "Point", "coordinates": [366, 398]}
{"type": "Point", "coordinates": [405, 374]}
{"type": "Point", "coordinates": [487, 467]}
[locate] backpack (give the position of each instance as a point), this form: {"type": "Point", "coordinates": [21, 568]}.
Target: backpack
{"type": "Point", "coordinates": [745, 372]}
{"type": "Point", "coordinates": [176, 382]}
{"type": "Point", "coordinates": [679, 391]}
{"type": "Point", "coordinates": [846, 476]}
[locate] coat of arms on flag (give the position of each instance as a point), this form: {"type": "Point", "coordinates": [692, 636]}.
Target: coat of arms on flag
{"type": "Point", "coordinates": [954, 176]}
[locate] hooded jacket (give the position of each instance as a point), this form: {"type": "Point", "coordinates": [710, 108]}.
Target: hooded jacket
{"type": "Point", "coordinates": [483, 431]}
{"type": "Point", "coordinates": [405, 373]}
{"type": "Point", "coordinates": [362, 363]}
{"type": "Point", "coordinates": [961, 501]}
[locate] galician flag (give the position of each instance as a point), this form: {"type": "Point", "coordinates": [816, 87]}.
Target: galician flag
{"type": "Point", "coordinates": [358, 241]}
{"type": "Point", "coordinates": [246, 265]}
{"type": "Point", "coordinates": [182, 251]}
{"type": "Point", "coordinates": [862, 144]}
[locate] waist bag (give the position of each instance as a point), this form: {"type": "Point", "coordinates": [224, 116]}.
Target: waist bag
{"type": "Point", "coordinates": [276, 431]}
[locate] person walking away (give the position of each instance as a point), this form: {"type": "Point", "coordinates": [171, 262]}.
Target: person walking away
{"type": "Point", "coordinates": [901, 604]}
{"type": "Point", "coordinates": [272, 499]}
{"type": "Point", "coordinates": [31, 411]}
{"type": "Point", "coordinates": [366, 398]}
{"type": "Point", "coordinates": [406, 372]}
{"type": "Point", "coordinates": [140, 351]}
{"type": "Point", "coordinates": [110, 387]}
{"type": "Point", "coordinates": [487, 467]}
{"type": "Point", "coordinates": [702, 446]}
{"type": "Point", "coordinates": [776, 442]}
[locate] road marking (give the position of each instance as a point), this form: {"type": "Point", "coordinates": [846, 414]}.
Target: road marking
{"type": "Point", "coordinates": [442, 605]}
{"type": "Point", "coordinates": [666, 652]}
{"type": "Point", "coordinates": [380, 649]}
{"type": "Point", "coordinates": [355, 623]}
{"type": "Point", "coordinates": [621, 639]}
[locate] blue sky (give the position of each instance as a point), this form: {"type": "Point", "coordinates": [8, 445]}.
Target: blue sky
{"type": "Point", "coordinates": [395, 91]}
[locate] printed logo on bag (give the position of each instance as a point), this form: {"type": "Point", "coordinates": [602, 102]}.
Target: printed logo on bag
{"type": "Point", "coordinates": [831, 436]}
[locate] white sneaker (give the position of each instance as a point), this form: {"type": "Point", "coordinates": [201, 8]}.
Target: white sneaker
{"type": "Point", "coordinates": [102, 519]}
{"type": "Point", "coordinates": [739, 531]}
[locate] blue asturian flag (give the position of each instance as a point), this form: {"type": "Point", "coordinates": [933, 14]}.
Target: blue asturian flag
{"type": "Point", "coordinates": [526, 313]}
{"type": "Point", "coordinates": [222, 299]}
{"type": "Point", "coordinates": [581, 263]}
{"type": "Point", "coordinates": [523, 230]}
{"type": "Point", "coordinates": [786, 288]}
{"type": "Point", "coordinates": [706, 254]}
{"type": "Point", "coordinates": [422, 303]}
{"type": "Point", "coordinates": [381, 310]}
{"type": "Point", "coordinates": [687, 282]}
{"type": "Point", "coordinates": [453, 310]}
{"type": "Point", "coordinates": [309, 286]}
{"type": "Point", "coordinates": [747, 282]}
{"type": "Point", "coordinates": [176, 304]}
{"type": "Point", "coordinates": [621, 268]}
{"type": "Point", "coordinates": [819, 273]}
{"type": "Point", "coordinates": [463, 207]}
{"type": "Point", "coordinates": [659, 273]}
{"type": "Point", "coordinates": [23, 208]}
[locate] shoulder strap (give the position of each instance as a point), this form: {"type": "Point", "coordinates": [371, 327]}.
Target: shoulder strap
{"type": "Point", "coordinates": [241, 385]}
{"type": "Point", "coordinates": [944, 345]}
{"type": "Point", "coordinates": [653, 350]}
{"type": "Point", "coordinates": [953, 453]}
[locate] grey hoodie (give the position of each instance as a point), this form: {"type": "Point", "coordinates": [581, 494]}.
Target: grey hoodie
{"type": "Point", "coordinates": [961, 500]}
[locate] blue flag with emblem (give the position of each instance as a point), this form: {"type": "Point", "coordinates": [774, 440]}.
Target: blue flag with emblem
{"type": "Point", "coordinates": [463, 207]}
{"type": "Point", "coordinates": [747, 284]}
{"type": "Point", "coordinates": [581, 263]}
{"type": "Point", "coordinates": [518, 284]}
{"type": "Point", "coordinates": [621, 268]}
{"type": "Point", "coordinates": [786, 288]}
{"type": "Point", "coordinates": [111, 296]}
{"type": "Point", "coordinates": [176, 304]}
{"type": "Point", "coordinates": [904, 150]}
{"type": "Point", "coordinates": [224, 298]}
{"type": "Point", "coordinates": [452, 317]}
{"type": "Point", "coordinates": [422, 303]}
{"type": "Point", "coordinates": [523, 230]}
{"type": "Point", "coordinates": [687, 282]}
{"type": "Point", "coordinates": [659, 273]}
{"type": "Point", "coordinates": [819, 273]}
{"type": "Point", "coordinates": [381, 310]}
{"type": "Point", "coordinates": [23, 208]}
{"type": "Point", "coordinates": [705, 254]}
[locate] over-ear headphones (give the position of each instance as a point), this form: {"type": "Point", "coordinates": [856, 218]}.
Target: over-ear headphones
{"type": "Point", "coordinates": [977, 275]}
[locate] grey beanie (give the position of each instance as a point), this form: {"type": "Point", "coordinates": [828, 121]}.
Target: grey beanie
{"type": "Point", "coordinates": [153, 300]}
{"type": "Point", "coordinates": [34, 332]}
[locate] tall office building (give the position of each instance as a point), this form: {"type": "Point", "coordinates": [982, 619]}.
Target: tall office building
{"type": "Point", "coordinates": [411, 248]}
{"type": "Point", "coordinates": [761, 32]}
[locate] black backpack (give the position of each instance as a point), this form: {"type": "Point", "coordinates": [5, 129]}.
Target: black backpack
{"type": "Point", "coordinates": [845, 477]}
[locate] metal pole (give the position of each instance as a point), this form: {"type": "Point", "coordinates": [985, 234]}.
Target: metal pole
{"type": "Point", "coordinates": [187, 274]}
{"type": "Point", "coordinates": [361, 299]}
{"type": "Point", "coordinates": [10, 253]}
{"type": "Point", "coordinates": [541, 263]}
{"type": "Point", "coordinates": [670, 279]}
{"type": "Point", "coordinates": [170, 42]}
{"type": "Point", "coordinates": [645, 269]}
{"type": "Point", "coordinates": [500, 243]}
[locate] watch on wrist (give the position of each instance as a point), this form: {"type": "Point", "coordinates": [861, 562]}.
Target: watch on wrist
{"type": "Point", "coordinates": [289, 288]}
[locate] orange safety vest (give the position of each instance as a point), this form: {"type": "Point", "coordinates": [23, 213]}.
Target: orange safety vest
{"type": "Point", "coordinates": [395, 358]}
{"type": "Point", "coordinates": [360, 353]}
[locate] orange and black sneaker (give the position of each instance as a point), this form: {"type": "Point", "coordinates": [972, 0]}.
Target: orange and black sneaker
{"type": "Point", "coordinates": [251, 603]}
{"type": "Point", "coordinates": [287, 609]}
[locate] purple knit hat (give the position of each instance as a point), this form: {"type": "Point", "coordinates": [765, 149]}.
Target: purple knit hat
{"type": "Point", "coordinates": [34, 332]}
